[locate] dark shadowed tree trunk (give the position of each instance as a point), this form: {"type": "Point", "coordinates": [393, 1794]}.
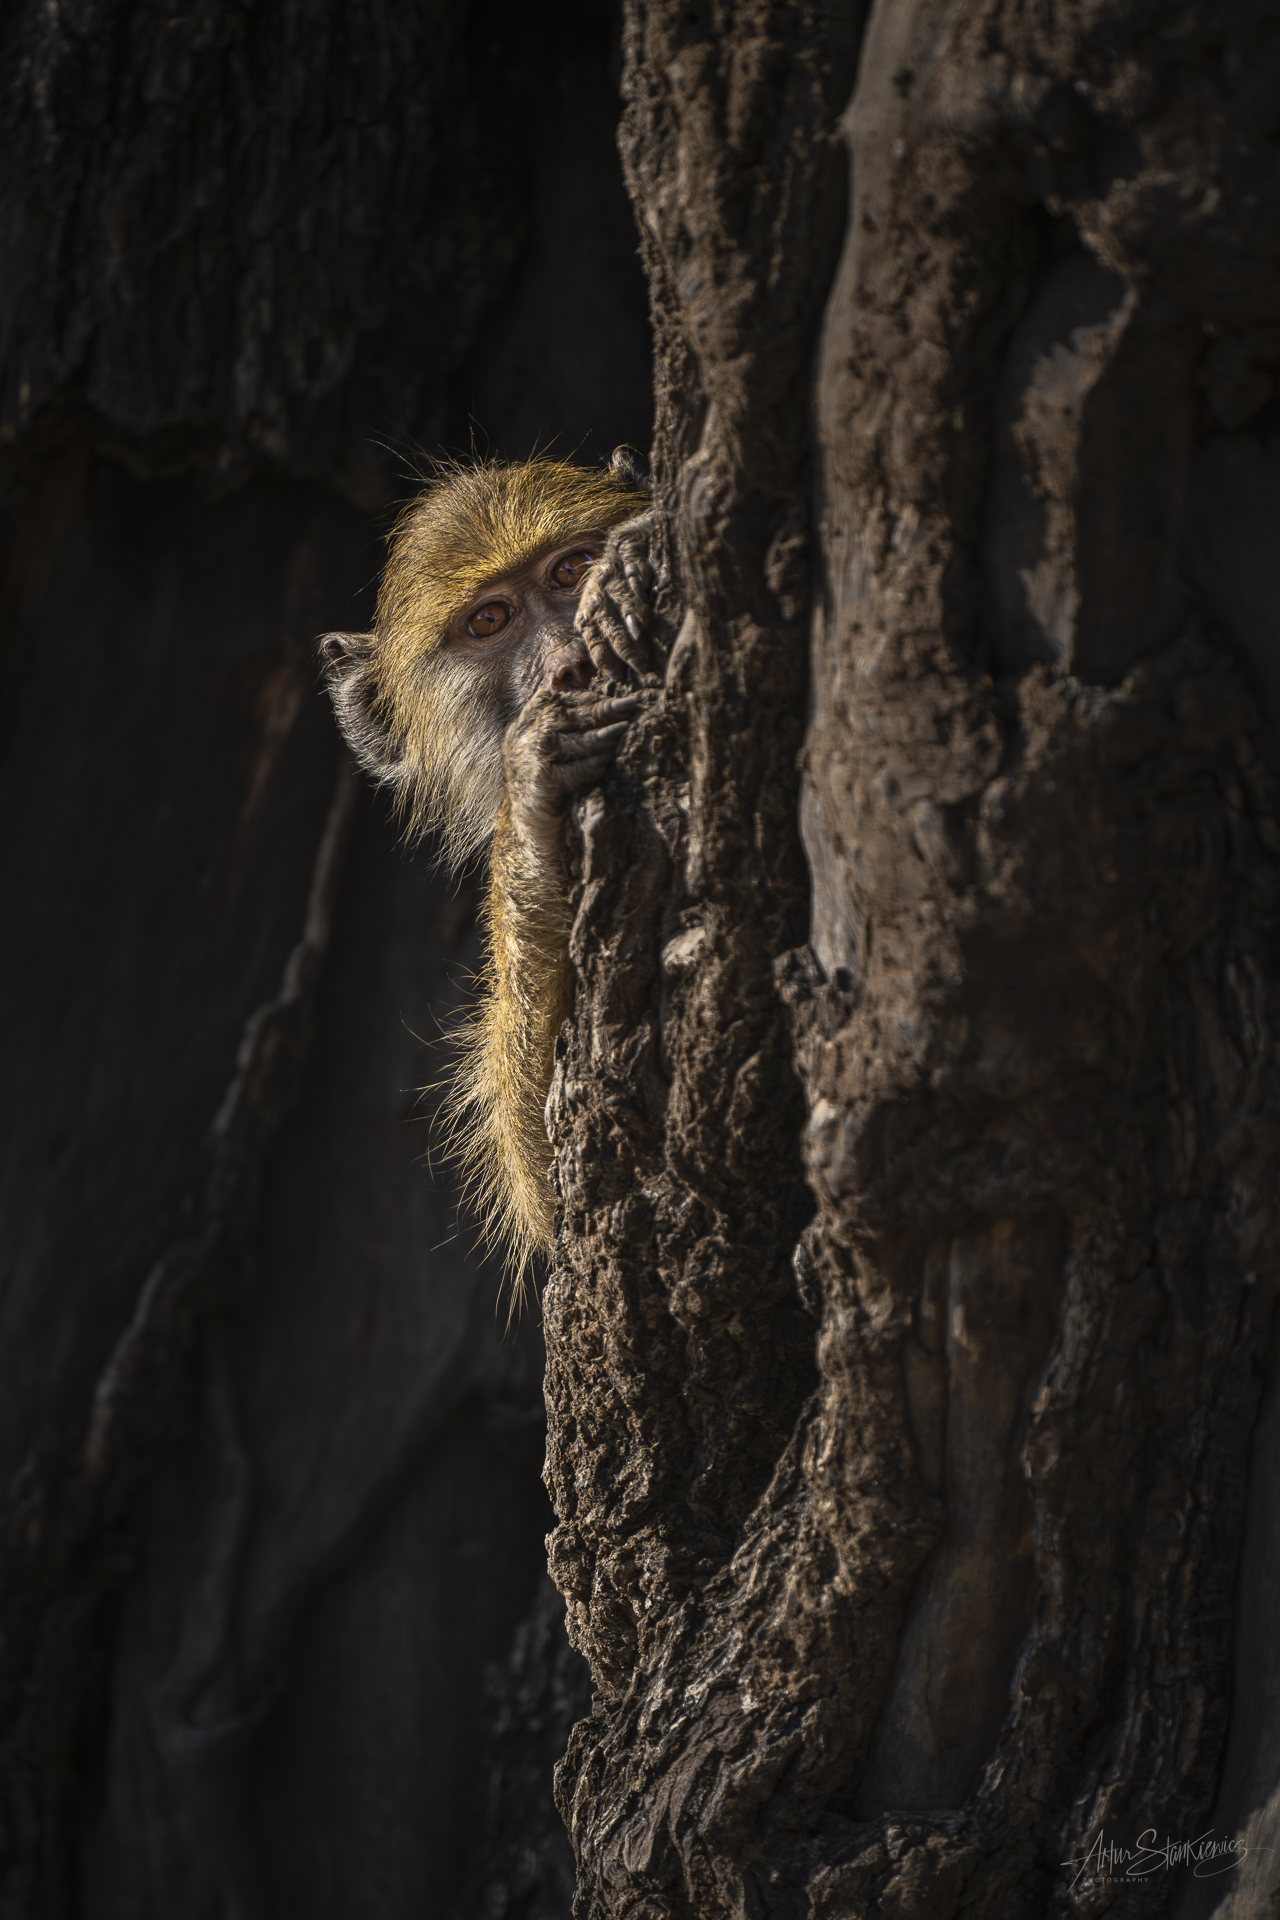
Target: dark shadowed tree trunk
{"type": "Point", "coordinates": [903, 1479]}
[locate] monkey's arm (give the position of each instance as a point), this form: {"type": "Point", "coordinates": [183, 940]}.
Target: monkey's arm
{"type": "Point", "coordinates": [561, 743]}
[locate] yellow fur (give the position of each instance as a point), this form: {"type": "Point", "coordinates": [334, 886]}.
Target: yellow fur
{"type": "Point", "coordinates": [474, 525]}
{"type": "Point", "coordinates": [495, 1111]}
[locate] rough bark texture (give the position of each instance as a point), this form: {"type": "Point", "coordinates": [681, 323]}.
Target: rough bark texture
{"type": "Point", "coordinates": [271, 1521]}
{"type": "Point", "coordinates": [904, 1547]}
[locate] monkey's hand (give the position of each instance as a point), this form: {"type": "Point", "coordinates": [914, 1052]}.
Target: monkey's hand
{"type": "Point", "coordinates": [561, 742]}
{"type": "Point", "coordinates": [616, 606]}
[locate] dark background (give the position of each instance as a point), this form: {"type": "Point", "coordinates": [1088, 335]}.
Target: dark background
{"type": "Point", "coordinates": [274, 1632]}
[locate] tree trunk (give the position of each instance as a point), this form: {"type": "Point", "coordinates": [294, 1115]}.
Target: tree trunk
{"type": "Point", "coordinates": [901, 1481]}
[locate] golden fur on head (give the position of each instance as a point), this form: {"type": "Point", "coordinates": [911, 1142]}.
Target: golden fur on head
{"type": "Point", "coordinates": [473, 525]}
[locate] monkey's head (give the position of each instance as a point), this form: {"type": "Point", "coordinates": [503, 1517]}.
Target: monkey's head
{"type": "Point", "coordinates": [475, 615]}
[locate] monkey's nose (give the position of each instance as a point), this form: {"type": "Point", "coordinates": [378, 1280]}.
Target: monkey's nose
{"type": "Point", "coordinates": [569, 667]}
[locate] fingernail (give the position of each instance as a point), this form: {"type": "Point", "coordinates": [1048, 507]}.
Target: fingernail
{"type": "Point", "coordinates": [633, 627]}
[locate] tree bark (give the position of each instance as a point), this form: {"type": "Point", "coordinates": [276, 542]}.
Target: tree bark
{"type": "Point", "coordinates": [901, 1474]}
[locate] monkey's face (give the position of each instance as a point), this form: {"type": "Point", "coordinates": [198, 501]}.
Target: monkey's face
{"type": "Point", "coordinates": [475, 618]}
{"type": "Point", "coordinates": [518, 632]}
{"type": "Point", "coordinates": [435, 737]}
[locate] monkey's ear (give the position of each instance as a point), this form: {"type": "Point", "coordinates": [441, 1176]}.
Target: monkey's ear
{"type": "Point", "coordinates": [348, 672]}
{"type": "Point", "coordinates": [347, 649]}
{"type": "Point", "coordinates": [627, 465]}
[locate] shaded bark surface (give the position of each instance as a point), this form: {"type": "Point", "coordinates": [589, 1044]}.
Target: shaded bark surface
{"type": "Point", "coordinates": [273, 1636]}
{"type": "Point", "coordinates": [904, 1363]}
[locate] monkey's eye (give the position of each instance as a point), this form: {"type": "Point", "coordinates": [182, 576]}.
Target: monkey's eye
{"type": "Point", "coordinates": [489, 619]}
{"type": "Point", "coordinates": [572, 570]}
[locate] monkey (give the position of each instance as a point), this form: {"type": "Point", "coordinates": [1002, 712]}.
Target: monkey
{"type": "Point", "coordinates": [511, 589]}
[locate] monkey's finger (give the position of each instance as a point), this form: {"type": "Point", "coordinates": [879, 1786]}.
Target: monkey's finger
{"type": "Point", "coordinates": [573, 775]}
{"type": "Point", "coordinates": [588, 624]}
{"type": "Point", "coordinates": [636, 618]}
{"type": "Point", "coordinates": [580, 746]}
{"type": "Point", "coordinates": [595, 710]}
{"type": "Point", "coordinates": [615, 599]}
{"type": "Point", "coordinates": [597, 623]}
{"type": "Point", "coordinates": [607, 663]}
{"type": "Point", "coordinates": [635, 564]}
{"type": "Point", "coordinates": [630, 606]}
{"type": "Point", "coordinates": [634, 548]}
{"type": "Point", "coordinates": [627, 567]}
{"type": "Point", "coordinates": [630, 648]}
{"type": "Point", "coordinates": [613, 706]}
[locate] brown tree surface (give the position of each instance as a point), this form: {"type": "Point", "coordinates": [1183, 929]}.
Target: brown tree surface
{"type": "Point", "coordinates": [917, 1127]}
{"type": "Point", "coordinates": [901, 1489]}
